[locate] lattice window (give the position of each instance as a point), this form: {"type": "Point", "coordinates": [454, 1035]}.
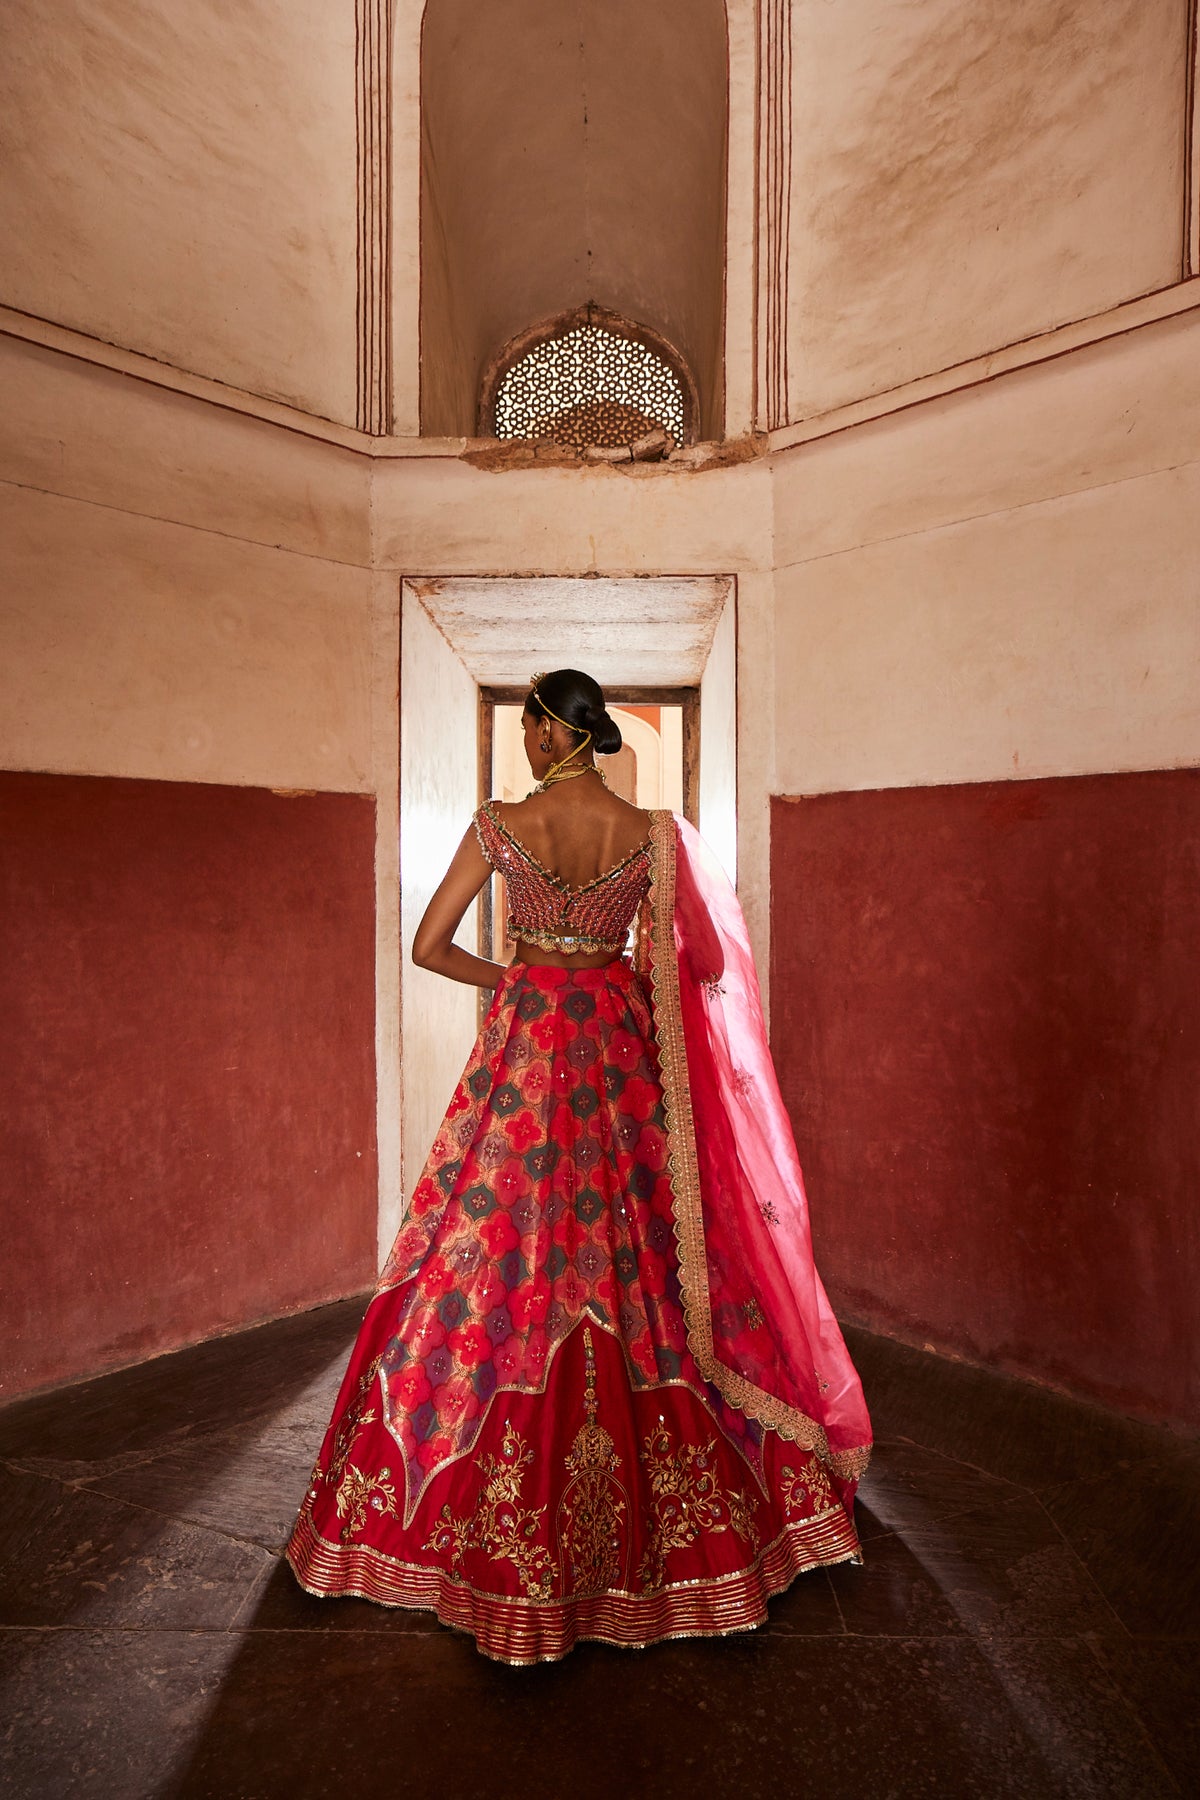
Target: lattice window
{"type": "Point", "coordinates": [589, 386]}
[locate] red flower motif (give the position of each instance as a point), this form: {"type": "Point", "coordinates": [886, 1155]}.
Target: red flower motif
{"type": "Point", "coordinates": [437, 1277]}
{"type": "Point", "coordinates": [652, 1148]}
{"type": "Point", "coordinates": [410, 1387]}
{"type": "Point", "coordinates": [570, 1233]}
{"type": "Point", "coordinates": [442, 1150]}
{"type": "Point", "coordinates": [552, 1031]}
{"type": "Point", "coordinates": [534, 1083]}
{"type": "Point", "coordinates": [604, 1288]}
{"type": "Point", "coordinates": [638, 1097]}
{"type": "Point", "coordinates": [436, 1450]}
{"type": "Point", "coordinates": [460, 1102]}
{"type": "Point", "coordinates": [564, 1079]}
{"type": "Point", "coordinates": [509, 1359]}
{"type": "Point", "coordinates": [410, 1240]}
{"type": "Point", "coordinates": [426, 1196]}
{"type": "Point", "coordinates": [563, 1180]}
{"type": "Point", "coordinates": [565, 1128]}
{"type": "Point", "coordinates": [470, 1344]}
{"type": "Point", "coordinates": [527, 1304]}
{"type": "Point", "coordinates": [522, 1131]}
{"type": "Point", "coordinates": [511, 1182]}
{"type": "Point", "coordinates": [425, 1331]}
{"type": "Point", "coordinates": [625, 1050]}
{"type": "Point", "coordinates": [487, 1291]}
{"type": "Point", "coordinates": [570, 1290]}
{"type": "Point", "coordinates": [498, 1234]}
{"type": "Point", "coordinates": [456, 1401]}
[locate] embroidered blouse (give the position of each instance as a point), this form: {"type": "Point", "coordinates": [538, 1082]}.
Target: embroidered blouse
{"type": "Point", "coordinates": [547, 911]}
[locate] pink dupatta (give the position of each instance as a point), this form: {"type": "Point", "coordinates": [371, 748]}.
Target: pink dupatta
{"type": "Point", "coordinates": [758, 1320]}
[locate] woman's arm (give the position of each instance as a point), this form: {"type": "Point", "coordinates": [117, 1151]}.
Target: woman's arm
{"type": "Point", "coordinates": [433, 946]}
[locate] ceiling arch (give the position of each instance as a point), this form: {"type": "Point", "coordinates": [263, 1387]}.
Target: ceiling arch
{"type": "Point", "coordinates": [571, 151]}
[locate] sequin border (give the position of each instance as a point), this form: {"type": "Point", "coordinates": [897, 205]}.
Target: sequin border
{"type": "Point", "coordinates": [522, 1631]}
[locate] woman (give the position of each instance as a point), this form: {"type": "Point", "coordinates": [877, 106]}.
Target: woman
{"type": "Point", "coordinates": [599, 1392]}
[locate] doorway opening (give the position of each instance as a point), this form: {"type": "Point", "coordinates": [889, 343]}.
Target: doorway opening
{"type": "Point", "coordinates": [658, 765]}
{"type": "Point", "coordinates": [467, 646]}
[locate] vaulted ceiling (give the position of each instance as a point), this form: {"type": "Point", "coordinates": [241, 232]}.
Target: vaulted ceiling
{"type": "Point", "coordinates": [572, 150]}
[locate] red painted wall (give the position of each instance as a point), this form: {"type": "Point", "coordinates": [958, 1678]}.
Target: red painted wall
{"type": "Point", "coordinates": [986, 1018]}
{"type": "Point", "coordinates": [187, 1064]}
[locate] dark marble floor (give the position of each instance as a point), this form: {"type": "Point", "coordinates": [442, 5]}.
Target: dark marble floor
{"type": "Point", "coordinates": [1027, 1622]}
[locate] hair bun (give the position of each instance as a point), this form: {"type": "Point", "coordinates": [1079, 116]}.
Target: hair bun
{"type": "Point", "coordinates": [606, 733]}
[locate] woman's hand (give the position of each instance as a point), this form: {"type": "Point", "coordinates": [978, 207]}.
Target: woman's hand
{"type": "Point", "coordinates": [433, 946]}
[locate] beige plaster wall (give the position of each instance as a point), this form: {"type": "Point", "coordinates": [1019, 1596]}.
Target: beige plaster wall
{"type": "Point", "coordinates": [181, 180]}
{"type": "Point", "coordinates": [135, 646]}
{"type": "Point", "coordinates": [1002, 583]}
{"type": "Point", "coordinates": [754, 701]}
{"type": "Point", "coordinates": [438, 517]}
{"type": "Point", "coordinates": [439, 781]}
{"type": "Point", "coordinates": [718, 743]}
{"type": "Point", "coordinates": [74, 428]}
{"type": "Point", "coordinates": [965, 175]}
{"type": "Point", "coordinates": [571, 152]}
{"type": "Point", "coordinates": [385, 767]}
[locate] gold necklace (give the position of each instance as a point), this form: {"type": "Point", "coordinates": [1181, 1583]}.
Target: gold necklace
{"type": "Point", "coordinates": [549, 780]}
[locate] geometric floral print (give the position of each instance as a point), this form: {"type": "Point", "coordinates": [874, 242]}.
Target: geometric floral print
{"type": "Point", "coordinates": [523, 1442]}
{"type": "Point", "coordinates": [546, 1197]}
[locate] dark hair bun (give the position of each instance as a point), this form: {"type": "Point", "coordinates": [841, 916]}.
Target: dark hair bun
{"type": "Point", "coordinates": [573, 697]}
{"type": "Point", "coordinates": [606, 735]}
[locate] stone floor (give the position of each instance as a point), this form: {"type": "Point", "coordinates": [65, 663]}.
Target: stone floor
{"type": "Point", "coordinates": [1027, 1622]}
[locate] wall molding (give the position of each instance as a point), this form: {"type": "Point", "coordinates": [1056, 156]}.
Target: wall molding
{"type": "Point", "coordinates": [27, 328]}
{"type": "Point", "coordinates": [1191, 148]}
{"type": "Point", "coordinates": [775, 153]}
{"type": "Point", "coordinates": [1176, 301]}
{"type": "Point", "coordinates": [373, 120]}
{"type": "Point", "coordinates": [1171, 302]}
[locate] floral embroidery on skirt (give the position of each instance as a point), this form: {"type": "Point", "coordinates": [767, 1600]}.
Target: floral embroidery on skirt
{"type": "Point", "coordinates": [523, 1441]}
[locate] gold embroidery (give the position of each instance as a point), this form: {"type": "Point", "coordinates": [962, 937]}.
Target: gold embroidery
{"type": "Point", "coordinates": [768, 1211]}
{"type": "Point", "coordinates": [593, 1503]}
{"type": "Point", "coordinates": [515, 1628]}
{"type": "Point", "coordinates": [688, 1501]}
{"type": "Point", "coordinates": [500, 1526]}
{"type": "Point", "coordinates": [357, 1415]}
{"type": "Point", "coordinates": [809, 1485]}
{"type": "Point", "coordinates": [752, 1312]}
{"type": "Point", "coordinates": [357, 1491]}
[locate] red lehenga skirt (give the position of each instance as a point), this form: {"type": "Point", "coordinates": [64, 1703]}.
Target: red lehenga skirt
{"type": "Point", "coordinates": [523, 1442]}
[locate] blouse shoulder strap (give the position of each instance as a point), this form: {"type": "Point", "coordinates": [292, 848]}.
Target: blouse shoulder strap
{"type": "Point", "coordinates": [487, 831]}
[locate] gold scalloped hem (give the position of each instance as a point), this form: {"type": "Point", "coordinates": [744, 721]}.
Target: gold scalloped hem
{"type": "Point", "coordinates": [523, 1632]}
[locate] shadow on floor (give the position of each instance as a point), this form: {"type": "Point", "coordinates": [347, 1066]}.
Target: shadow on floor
{"type": "Point", "coordinates": [1025, 1625]}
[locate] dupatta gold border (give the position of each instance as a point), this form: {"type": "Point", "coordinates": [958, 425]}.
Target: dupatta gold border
{"type": "Point", "coordinates": [684, 1169]}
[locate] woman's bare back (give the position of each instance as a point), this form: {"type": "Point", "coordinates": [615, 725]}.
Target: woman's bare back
{"type": "Point", "coordinates": [577, 835]}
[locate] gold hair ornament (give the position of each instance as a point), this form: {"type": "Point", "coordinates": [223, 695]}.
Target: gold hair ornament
{"type": "Point", "coordinates": [553, 772]}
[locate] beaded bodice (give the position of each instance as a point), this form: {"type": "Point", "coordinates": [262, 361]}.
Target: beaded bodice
{"type": "Point", "coordinates": [545, 910]}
